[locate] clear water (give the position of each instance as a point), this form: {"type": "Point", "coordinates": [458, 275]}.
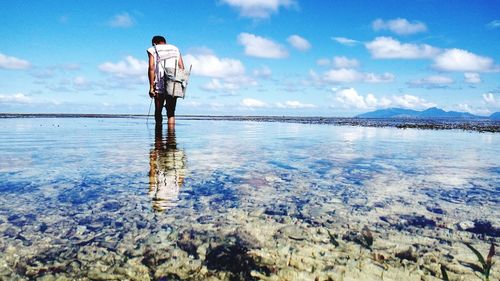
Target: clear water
{"type": "Point", "coordinates": [111, 198]}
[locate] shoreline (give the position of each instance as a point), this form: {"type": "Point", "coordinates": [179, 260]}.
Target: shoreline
{"type": "Point", "coordinates": [473, 125]}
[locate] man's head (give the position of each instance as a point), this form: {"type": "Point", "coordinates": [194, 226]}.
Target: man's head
{"type": "Point", "coordinates": [158, 40]}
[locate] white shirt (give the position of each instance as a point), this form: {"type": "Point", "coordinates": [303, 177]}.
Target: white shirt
{"type": "Point", "coordinates": [165, 55]}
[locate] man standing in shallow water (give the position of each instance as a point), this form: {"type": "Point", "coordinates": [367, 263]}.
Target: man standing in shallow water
{"type": "Point", "coordinates": [162, 55]}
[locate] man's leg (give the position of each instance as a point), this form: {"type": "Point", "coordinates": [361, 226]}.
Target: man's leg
{"type": "Point", "coordinates": [159, 101]}
{"type": "Point", "coordinates": [170, 104]}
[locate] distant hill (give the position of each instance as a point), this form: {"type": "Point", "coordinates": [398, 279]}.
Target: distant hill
{"type": "Point", "coordinates": [432, 112]}
{"type": "Point", "coordinates": [495, 116]}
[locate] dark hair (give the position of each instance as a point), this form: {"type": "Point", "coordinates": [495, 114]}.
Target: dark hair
{"type": "Point", "coordinates": [158, 39]}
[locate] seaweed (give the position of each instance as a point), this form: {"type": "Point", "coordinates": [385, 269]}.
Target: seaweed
{"type": "Point", "coordinates": [444, 273]}
{"type": "Point", "coordinates": [368, 236]}
{"type": "Point", "coordinates": [486, 265]}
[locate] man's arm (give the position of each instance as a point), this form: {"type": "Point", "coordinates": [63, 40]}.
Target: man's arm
{"type": "Point", "coordinates": [181, 62]}
{"type": "Point", "coordinates": [151, 75]}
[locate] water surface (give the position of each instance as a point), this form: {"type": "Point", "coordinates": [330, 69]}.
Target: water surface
{"type": "Point", "coordinates": [112, 198]}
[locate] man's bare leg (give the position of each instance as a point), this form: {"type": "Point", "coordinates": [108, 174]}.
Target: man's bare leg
{"type": "Point", "coordinates": [171, 122]}
{"type": "Point", "coordinates": [159, 101]}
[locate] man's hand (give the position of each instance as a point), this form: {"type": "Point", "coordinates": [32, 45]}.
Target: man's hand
{"type": "Point", "coordinates": [152, 92]}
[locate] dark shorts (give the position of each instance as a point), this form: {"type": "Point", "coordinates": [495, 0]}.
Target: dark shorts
{"type": "Point", "coordinates": [170, 103]}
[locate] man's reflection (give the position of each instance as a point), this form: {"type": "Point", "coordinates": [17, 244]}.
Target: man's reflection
{"type": "Point", "coordinates": [167, 170]}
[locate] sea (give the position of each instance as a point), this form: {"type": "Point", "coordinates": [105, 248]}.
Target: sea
{"type": "Point", "coordinates": [111, 197]}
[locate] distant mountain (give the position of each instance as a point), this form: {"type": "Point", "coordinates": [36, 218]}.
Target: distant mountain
{"type": "Point", "coordinates": [432, 112]}
{"type": "Point", "coordinates": [495, 116]}
{"type": "Point", "coordinates": [390, 113]}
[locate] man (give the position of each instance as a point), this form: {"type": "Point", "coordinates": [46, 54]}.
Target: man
{"type": "Point", "coordinates": [162, 55]}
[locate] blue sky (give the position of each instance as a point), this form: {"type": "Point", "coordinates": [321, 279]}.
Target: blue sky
{"type": "Point", "coordinates": [253, 57]}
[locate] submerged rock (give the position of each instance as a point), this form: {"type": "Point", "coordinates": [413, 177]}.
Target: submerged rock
{"type": "Point", "coordinates": [233, 259]}
{"type": "Point", "coordinates": [484, 227]}
{"type": "Point", "coordinates": [294, 232]}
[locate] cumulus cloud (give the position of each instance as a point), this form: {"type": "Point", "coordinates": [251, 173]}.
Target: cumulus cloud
{"type": "Point", "coordinates": [471, 109]}
{"type": "Point", "coordinates": [345, 41]}
{"type": "Point", "coordinates": [389, 48]}
{"type": "Point", "coordinates": [210, 65]}
{"type": "Point", "coordinates": [399, 26]}
{"type": "Point", "coordinates": [343, 62]}
{"type": "Point", "coordinates": [228, 74]}
{"type": "Point", "coordinates": [299, 43]}
{"type": "Point", "coordinates": [294, 105]}
{"type": "Point", "coordinates": [13, 63]}
{"type": "Point", "coordinates": [123, 20]}
{"type": "Point", "coordinates": [258, 9]}
{"type": "Point", "coordinates": [127, 68]}
{"type": "Point", "coordinates": [385, 77]}
{"type": "Point", "coordinates": [342, 75]}
{"type": "Point", "coordinates": [256, 46]}
{"type": "Point", "coordinates": [350, 98]}
{"type": "Point", "coordinates": [494, 24]}
{"type": "Point", "coordinates": [431, 82]}
{"type": "Point", "coordinates": [338, 62]}
{"type": "Point", "coordinates": [472, 77]}
{"type": "Point", "coordinates": [16, 98]}
{"type": "Point", "coordinates": [462, 60]}
{"type": "Point", "coordinates": [216, 85]}
{"type": "Point", "coordinates": [346, 75]}
{"type": "Point", "coordinates": [253, 103]}
{"type": "Point", "coordinates": [411, 102]}
{"type": "Point", "coordinates": [491, 100]}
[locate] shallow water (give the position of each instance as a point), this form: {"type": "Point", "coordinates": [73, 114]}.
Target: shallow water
{"type": "Point", "coordinates": [111, 198]}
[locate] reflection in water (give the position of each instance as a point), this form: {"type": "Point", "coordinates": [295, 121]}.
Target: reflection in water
{"type": "Point", "coordinates": [167, 170]}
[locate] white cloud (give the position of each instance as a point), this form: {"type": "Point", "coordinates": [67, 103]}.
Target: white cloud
{"type": "Point", "coordinates": [299, 43]}
{"type": "Point", "coordinates": [253, 103]}
{"type": "Point", "coordinates": [389, 48]}
{"type": "Point", "coordinates": [411, 102]}
{"type": "Point", "coordinates": [491, 100]}
{"type": "Point", "coordinates": [462, 60]}
{"type": "Point", "coordinates": [472, 77]}
{"type": "Point", "coordinates": [342, 75]}
{"type": "Point", "coordinates": [294, 105]}
{"type": "Point", "coordinates": [431, 82]}
{"type": "Point", "coordinates": [345, 41]}
{"type": "Point", "coordinates": [385, 77]}
{"type": "Point", "coordinates": [399, 26]}
{"type": "Point", "coordinates": [229, 74]}
{"type": "Point", "coordinates": [471, 109]}
{"type": "Point", "coordinates": [258, 9]}
{"type": "Point", "coordinates": [130, 67]}
{"type": "Point", "coordinates": [16, 98]}
{"type": "Point", "coordinates": [261, 47]}
{"type": "Point", "coordinates": [494, 24]}
{"type": "Point", "coordinates": [350, 98]}
{"type": "Point", "coordinates": [209, 65]}
{"type": "Point", "coordinates": [122, 20]}
{"type": "Point", "coordinates": [343, 62]}
{"type": "Point", "coordinates": [216, 85]}
{"type": "Point", "coordinates": [13, 63]}
{"type": "Point", "coordinates": [345, 75]}
{"type": "Point", "coordinates": [263, 72]}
